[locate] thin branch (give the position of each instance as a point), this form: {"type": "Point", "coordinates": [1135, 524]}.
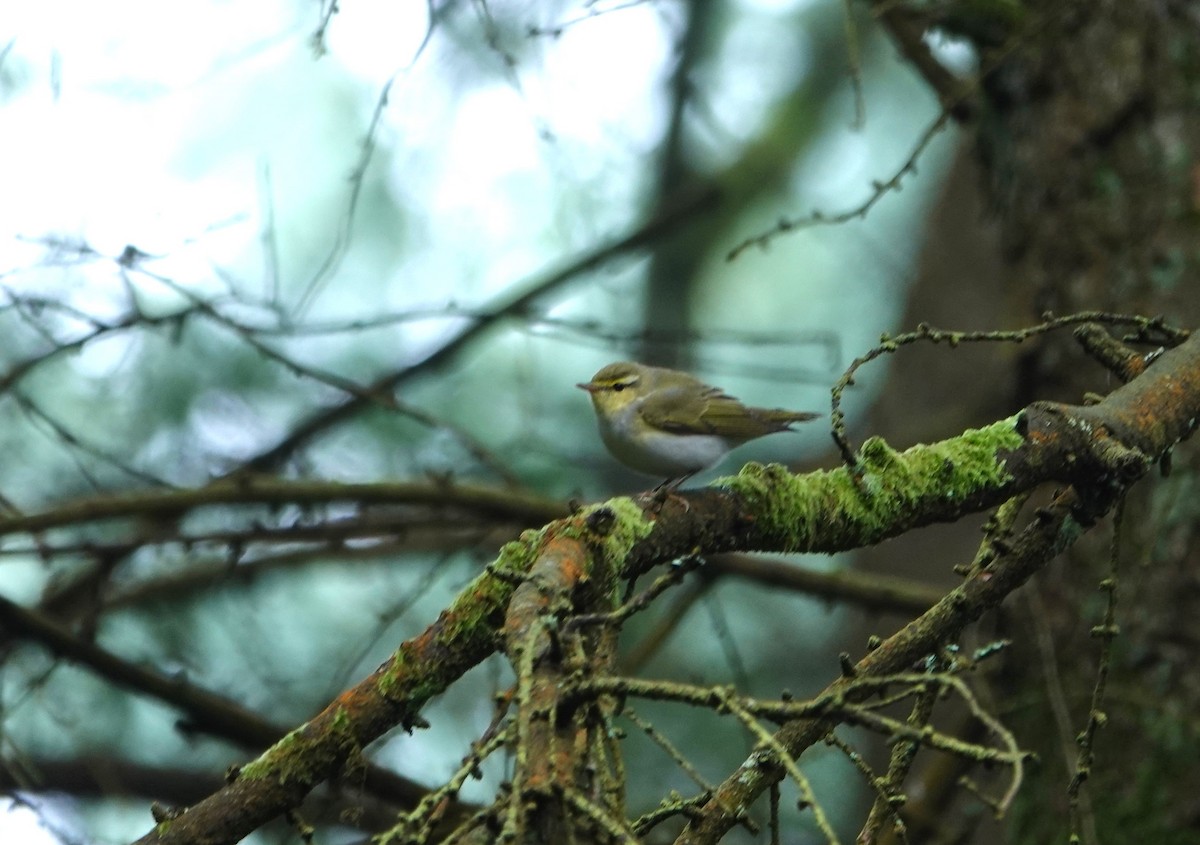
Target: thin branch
{"type": "Point", "coordinates": [76, 442]}
{"type": "Point", "coordinates": [386, 400]}
{"type": "Point", "coordinates": [1082, 816]}
{"type": "Point", "coordinates": [872, 591]}
{"type": "Point", "coordinates": [206, 712]}
{"type": "Point", "coordinates": [133, 320]}
{"type": "Point", "coordinates": [1152, 329]}
{"type": "Point", "coordinates": [808, 798]}
{"type": "Point", "coordinates": [511, 304]}
{"type": "Point", "coordinates": [677, 757]}
{"type": "Point", "coordinates": [504, 503]}
{"type": "Point", "coordinates": [879, 190]}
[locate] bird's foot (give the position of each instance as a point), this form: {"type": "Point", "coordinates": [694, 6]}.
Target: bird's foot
{"type": "Point", "coordinates": [667, 490]}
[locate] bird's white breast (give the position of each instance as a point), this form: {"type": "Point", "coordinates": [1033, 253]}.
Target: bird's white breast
{"type": "Point", "coordinates": [656, 452]}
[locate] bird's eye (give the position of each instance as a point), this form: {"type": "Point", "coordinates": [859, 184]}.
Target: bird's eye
{"type": "Point", "coordinates": [619, 386]}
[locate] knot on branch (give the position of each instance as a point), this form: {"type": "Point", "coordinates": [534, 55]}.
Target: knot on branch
{"type": "Point", "coordinates": [1125, 463]}
{"type": "Point", "coordinates": [1122, 361]}
{"type": "Point", "coordinates": [1082, 445]}
{"type": "Point", "coordinates": [601, 520]}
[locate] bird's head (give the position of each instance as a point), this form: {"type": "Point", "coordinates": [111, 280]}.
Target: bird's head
{"type": "Point", "coordinates": [614, 387]}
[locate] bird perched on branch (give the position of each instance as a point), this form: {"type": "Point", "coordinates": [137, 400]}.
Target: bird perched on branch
{"type": "Point", "coordinates": [664, 422]}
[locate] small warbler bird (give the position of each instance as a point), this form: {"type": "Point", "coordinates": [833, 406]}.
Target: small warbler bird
{"type": "Point", "coordinates": [666, 423]}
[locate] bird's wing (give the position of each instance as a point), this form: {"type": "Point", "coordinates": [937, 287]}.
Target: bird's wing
{"type": "Point", "coordinates": [685, 410]}
{"type": "Point", "coordinates": [674, 409]}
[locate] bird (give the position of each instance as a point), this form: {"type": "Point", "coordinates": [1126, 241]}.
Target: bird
{"type": "Point", "coordinates": [667, 423]}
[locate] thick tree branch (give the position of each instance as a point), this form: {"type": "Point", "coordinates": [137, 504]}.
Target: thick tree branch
{"type": "Point", "coordinates": [556, 765]}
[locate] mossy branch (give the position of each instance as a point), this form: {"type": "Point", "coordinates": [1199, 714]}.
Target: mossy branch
{"type": "Point", "coordinates": [1099, 449]}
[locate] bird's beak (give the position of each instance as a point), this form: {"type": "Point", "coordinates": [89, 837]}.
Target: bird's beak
{"type": "Point", "coordinates": [588, 386]}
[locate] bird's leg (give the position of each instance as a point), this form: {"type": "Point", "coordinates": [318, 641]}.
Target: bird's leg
{"type": "Point", "coordinates": [659, 495]}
